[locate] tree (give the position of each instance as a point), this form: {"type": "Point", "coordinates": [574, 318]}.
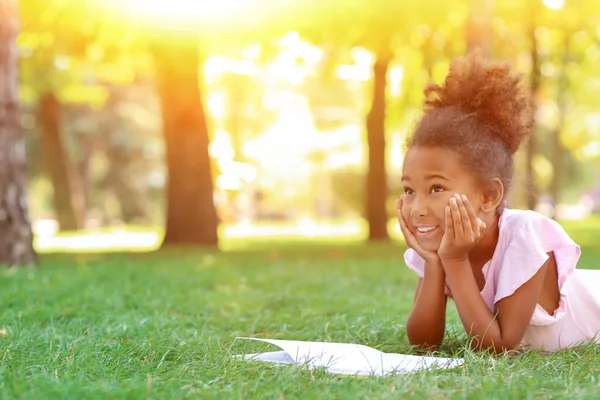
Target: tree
{"type": "Point", "coordinates": [376, 183]}
{"type": "Point", "coordinates": [379, 26]}
{"type": "Point", "coordinates": [191, 214]}
{"type": "Point", "coordinates": [16, 239]}
{"type": "Point", "coordinates": [68, 198]}
{"type": "Point", "coordinates": [44, 41]}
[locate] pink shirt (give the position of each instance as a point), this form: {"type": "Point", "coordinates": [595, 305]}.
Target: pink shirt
{"type": "Point", "coordinates": [525, 238]}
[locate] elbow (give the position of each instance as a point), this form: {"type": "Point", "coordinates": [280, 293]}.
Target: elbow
{"type": "Point", "coordinates": [424, 339]}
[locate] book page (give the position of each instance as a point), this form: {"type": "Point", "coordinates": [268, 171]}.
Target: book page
{"type": "Point", "coordinates": [348, 358]}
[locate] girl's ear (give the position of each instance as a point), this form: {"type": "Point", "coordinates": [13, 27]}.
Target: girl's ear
{"type": "Point", "coordinates": [493, 195]}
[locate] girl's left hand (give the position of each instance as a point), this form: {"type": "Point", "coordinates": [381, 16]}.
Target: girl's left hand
{"type": "Point", "coordinates": [462, 231]}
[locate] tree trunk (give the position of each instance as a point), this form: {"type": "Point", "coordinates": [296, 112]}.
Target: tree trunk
{"type": "Point", "coordinates": [16, 239]}
{"type": "Point", "coordinates": [558, 148]}
{"type": "Point", "coordinates": [531, 187]}
{"type": "Point", "coordinates": [376, 194]}
{"type": "Point", "coordinates": [479, 34]}
{"type": "Point", "coordinates": [68, 196]}
{"type": "Point", "coordinates": [191, 215]}
{"type": "Point", "coordinates": [118, 181]}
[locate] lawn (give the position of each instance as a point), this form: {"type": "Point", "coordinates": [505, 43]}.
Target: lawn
{"type": "Point", "coordinates": [163, 325]}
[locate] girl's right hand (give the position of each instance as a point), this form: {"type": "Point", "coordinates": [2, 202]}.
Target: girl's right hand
{"type": "Point", "coordinates": [409, 237]}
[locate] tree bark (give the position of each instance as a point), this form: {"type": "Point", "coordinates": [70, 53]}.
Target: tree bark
{"type": "Point", "coordinates": [530, 184]}
{"type": "Point", "coordinates": [191, 215]}
{"type": "Point", "coordinates": [68, 196]}
{"type": "Point", "coordinates": [16, 239]}
{"type": "Point", "coordinates": [377, 190]}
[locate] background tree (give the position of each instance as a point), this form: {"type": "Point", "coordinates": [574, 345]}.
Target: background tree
{"type": "Point", "coordinates": [381, 27]}
{"type": "Point", "coordinates": [16, 242]}
{"type": "Point", "coordinates": [191, 214]}
{"type": "Point", "coordinates": [48, 75]}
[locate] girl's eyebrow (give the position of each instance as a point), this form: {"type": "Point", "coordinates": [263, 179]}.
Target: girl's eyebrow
{"type": "Point", "coordinates": [435, 176]}
{"type": "Point", "coordinates": [428, 177]}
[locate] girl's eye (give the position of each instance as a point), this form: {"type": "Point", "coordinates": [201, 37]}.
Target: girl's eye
{"type": "Point", "coordinates": [408, 191]}
{"type": "Point", "coordinates": [437, 189]}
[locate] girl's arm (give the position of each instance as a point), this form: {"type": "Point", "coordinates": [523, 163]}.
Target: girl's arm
{"type": "Point", "coordinates": [504, 329]}
{"type": "Point", "coordinates": [495, 331]}
{"type": "Point", "coordinates": [427, 320]}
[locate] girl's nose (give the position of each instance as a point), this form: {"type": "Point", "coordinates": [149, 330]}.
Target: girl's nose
{"type": "Point", "coordinates": [419, 207]}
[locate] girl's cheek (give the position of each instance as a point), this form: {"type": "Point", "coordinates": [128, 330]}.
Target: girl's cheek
{"type": "Point", "coordinates": [406, 209]}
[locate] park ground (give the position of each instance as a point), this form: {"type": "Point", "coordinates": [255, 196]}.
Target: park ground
{"type": "Point", "coordinates": [163, 324]}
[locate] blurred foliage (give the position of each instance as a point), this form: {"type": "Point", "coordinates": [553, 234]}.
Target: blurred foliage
{"type": "Point", "coordinates": [260, 65]}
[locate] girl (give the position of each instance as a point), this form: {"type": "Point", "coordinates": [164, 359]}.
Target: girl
{"type": "Point", "coordinates": [511, 273]}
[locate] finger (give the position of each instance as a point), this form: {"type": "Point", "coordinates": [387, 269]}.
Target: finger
{"type": "Point", "coordinates": [406, 232]}
{"type": "Point", "coordinates": [449, 223]}
{"type": "Point", "coordinates": [409, 237]}
{"type": "Point", "coordinates": [404, 226]}
{"type": "Point", "coordinates": [467, 222]}
{"type": "Point", "coordinates": [456, 218]}
{"type": "Point", "coordinates": [469, 207]}
{"type": "Point", "coordinates": [481, 228]}
{"type": "Point", "coordinates": [476, 222]}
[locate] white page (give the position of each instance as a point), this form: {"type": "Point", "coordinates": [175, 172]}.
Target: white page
{"type": "Point", "coordinates": [348, 358]}
{"type": "Point", "coordinates": [277, 357]}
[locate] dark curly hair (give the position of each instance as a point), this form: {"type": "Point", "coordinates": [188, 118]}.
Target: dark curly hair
{"type": "Point", "coordinates": [482, 112]}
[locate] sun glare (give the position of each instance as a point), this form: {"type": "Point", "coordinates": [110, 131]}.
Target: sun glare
{"type": "Point", "coordinates": [554, 4]}
{"type": "Point", "coordinates": [178, 10]}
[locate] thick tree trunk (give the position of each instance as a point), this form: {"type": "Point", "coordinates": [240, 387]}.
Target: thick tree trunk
{"type": "Point", "coordinates": [16, 239]}
{"type": "Point", "coordinates": [68, 196]}
{"type": "Point", "coordinates": [479, 33]}
{"type": "Point", "coordinates": [377, 190]}
{"type": "Point", "coordinates": [530, 184]}
{"type": "Point", "coordinates": [191, 215]}
{"type": "Point", "coordinates": [558, 147]}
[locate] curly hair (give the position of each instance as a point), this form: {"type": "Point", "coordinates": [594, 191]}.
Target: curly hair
{"type": "Point", "coordinates": [482, 112]}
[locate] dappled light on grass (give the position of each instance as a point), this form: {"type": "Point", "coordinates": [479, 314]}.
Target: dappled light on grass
{"type": "Point", "coordinates": [117, 240]}
{"type": "Point", "coordinates": [232, 235]}
{"type": "Point", "coordinates": [242, 235]}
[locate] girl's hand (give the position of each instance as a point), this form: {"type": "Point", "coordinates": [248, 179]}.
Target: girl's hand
{"type": "Point", "coordinates": [411, 240]}
{"type": "Point", "coordinates": [462, 232]}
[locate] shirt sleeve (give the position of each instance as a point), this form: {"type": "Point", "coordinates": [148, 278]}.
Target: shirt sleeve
{"type": "Point", "coordinates": [417, 264]}
{"type": "Point", "coordinates": [527, 252]}
{"type": "Point", "coordinates": [414, 262]}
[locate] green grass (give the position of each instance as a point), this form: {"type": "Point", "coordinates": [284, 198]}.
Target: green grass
{"type": "Point", "coordinates": [163, 325]}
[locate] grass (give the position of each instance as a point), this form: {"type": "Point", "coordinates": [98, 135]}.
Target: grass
{"type": "Point", "coordinates": [163, 325]}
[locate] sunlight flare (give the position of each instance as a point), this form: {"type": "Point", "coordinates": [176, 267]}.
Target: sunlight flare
{"type": "Point", "coordinates": [178, 10]}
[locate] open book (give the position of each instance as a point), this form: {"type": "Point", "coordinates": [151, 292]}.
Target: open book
{"type": "Point", "coordinates": [346, 358]}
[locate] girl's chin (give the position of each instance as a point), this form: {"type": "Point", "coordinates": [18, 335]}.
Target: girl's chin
{"type": "Point", "coordinates": [429, 245]}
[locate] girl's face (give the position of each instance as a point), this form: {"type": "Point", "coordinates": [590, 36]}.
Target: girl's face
{"type": "Point", "coordinates": [430, 176]}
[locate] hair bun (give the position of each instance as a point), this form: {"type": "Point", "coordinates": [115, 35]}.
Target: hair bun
{"type": "Point", "coordinates": [490, 90]}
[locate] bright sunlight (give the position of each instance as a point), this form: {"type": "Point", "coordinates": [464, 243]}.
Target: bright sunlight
{"type": "Point", "coordinates": [188, 8]}
{"type": "Point", "coordinates": [172, 11]}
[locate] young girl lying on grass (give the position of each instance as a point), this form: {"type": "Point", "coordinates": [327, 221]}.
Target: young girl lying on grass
{"type": "Point", "coordinates": [511, 273]}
